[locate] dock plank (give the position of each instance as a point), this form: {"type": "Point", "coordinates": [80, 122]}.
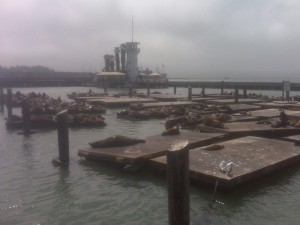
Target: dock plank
{"type": "Point", "coordinates": [160, 104]}
{"type": "Point", "coordinates": [232, 101]}
{"type": "Point", "coordinates": [154, 146]}
{"type": "Point", "coordinates": [270, 113]}
{"type": "Point", "coordinates": [253, 157]}
{"type": "Point", "coordinates": [279, 104]}
{"type": "Point", "coordinates": [120, 101]}
{"type": "Point", "coordinates": [168, 97]}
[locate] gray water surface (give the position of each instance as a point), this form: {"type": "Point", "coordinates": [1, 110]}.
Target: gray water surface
{"type": "Point", "coordinates": [34, 191]}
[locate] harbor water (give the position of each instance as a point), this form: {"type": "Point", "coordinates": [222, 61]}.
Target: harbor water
{"type": "Point", "coordinates": [34, 191]}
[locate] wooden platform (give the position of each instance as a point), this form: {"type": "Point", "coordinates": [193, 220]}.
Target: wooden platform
{"type": "Point", "coordinates": [232, 101]}
{"type": "Point", "coordinates": [168, 97]}
{"type": "Point", "coordinates": [243, 107]}
{"type": "Point", "coordinates": [160, 104]}
{"type": "Point", "coordinates": [153, 147]}
{"type": "Point", "coordinates": [121, 101]}
{"type": "Point", "coordinates": [279, 104]}
{"type": "Point", "coordinates": [203, 99]}
{"type": "Point", "coordinates": [271, 113]}
{"type": "Point", "coordinates": [251, 128]}
{"type": "Point", "coordinates": [253, 157]}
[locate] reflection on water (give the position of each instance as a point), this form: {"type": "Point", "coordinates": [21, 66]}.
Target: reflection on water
{"type": "Point", "coordinates": [33, 191]}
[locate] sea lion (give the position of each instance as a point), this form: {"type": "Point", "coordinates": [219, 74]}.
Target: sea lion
{"type": "Point", "coordinates": [213, 147]}
{"type": "Point", "coordinates": [116, 141]}
{"type": "Point", "coordinates": [171, 131]}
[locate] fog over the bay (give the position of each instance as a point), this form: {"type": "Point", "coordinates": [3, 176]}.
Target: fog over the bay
{"type": "Point", "coordinates": [191, 38]}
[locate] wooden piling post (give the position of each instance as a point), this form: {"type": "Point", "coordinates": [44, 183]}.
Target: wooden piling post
{"type": "Point", "coordinates": [282, 91]}
{"type": "Point", "coordinates": [148, 91]}
{"type": "Point", "coordinates": [178, 184]}
{"type": "Point", "coordinates": [236, 95]}
{"type": "Point", "coordinates": [175, 90]}
{"type": "Point", "coordinates": [287, 95]}
{"type": "Point", "coordinates": [1, 100]}
{"type": "Point", "coordinates": [245, 92]}
{"type": "Point", "coordinates": [203, 91]}
{"type": "Point", "coordinates": [190, 93]}
{"type": "Point", "coordinates": [9, 104]}
{"type": "Point", "coordinates": [63, 136]}
{"type": "Point", "coordinates": [130, 91]}
{"type": "Point", "coordinates": [222, 87]}
{"type": "Point", "coordinates": [105, 89]}
{"type": "Point", "coordinates": [26, 116]}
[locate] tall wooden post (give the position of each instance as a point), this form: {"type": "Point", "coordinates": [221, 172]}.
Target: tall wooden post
{"type": "Point", "coordinates": [178, 184]}
{"type": "Point", "coordinates": [130, 91]}
{"type": "Point", "coordinates": [236, 95]}
{"type": "Point", "coordinates": [282, 90]}
{"type": "Point", "coordinates": [63, 136]}
{"type": "Point", "coordinates": [148, 91]}
{"type": "Point", "coordinates": [105, 89]}
{"type": "Point", "coordinates": [203, 91]}
{"type": "Point", "coordinates": [9, 104]}
{"type": "Point", "coordinates": [245, 92]}
{"type": "Point", "coordinates": [175, 90]}
{"type": "Point", "coordinates": [190, 93]}
{"type": "Point", "coordinates": [1, 100]}
{"type": "Point", "coordinates": [287, 95]}
{"type": "Point", "coordinates": [26, 116]}
{"type": "Point", "coordinates": [222, 87]}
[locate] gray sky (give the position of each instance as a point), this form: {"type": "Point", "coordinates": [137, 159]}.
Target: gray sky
{"type": "Point", "coordinates": [192, 38]}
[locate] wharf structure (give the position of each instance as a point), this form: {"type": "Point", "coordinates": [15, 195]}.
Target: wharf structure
{"type": "Point", "coordinates": [232, 85]}
{"type": "Point", "coordinates": [126, 72]}
{"type": "Point", "coordinates": [253, 146]}
{"type": "Point", "coordinates": [46, 79]}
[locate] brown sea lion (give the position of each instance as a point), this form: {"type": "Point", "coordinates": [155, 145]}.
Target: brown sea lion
{"type": "Point", "coordinates": [115, 141]}
{"type": "Point", "coordinates": [171, 131]}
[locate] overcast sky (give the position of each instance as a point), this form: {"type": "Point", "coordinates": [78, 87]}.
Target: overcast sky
{"type": "Point", "coordinates": [192, 38]}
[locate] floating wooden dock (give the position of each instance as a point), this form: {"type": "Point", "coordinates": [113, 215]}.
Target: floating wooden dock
{"type": "Point", "coordinates": [279, 104]}
{"type": "Point", "coordinates": [232, 101]}
{"type": "Point", "coordinates": [253, 157]}
{"type": "Point", "coordinates": [243, 107]}
{"type": "Point", "coordinates": [168, 97]}
{"type": "Point", "coordinates": [271, 113]}
{"type": "Point", "coordinates": [251, 128]}
{"type": "Point", "coordinates": [160, 104]}
{"type": "Point", "coordinates": [153, 147]}
{"type": "Point", "coordinates": [119, 101]}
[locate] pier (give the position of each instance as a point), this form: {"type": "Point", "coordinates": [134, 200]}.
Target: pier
{"type": "Point", "coordinates": [253, 157]}
{"type": "Point", "coordinates": [232, 85]}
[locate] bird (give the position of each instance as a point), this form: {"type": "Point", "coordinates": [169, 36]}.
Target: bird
{"type": "Point", "coordinates": [226, 168]}
{"type": "Point", "coordinates": [222, 166]}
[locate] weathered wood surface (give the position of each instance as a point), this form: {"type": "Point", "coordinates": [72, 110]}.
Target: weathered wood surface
{"type": "Point", "coordinates": [160, 104]}
{"type": "Point", "coordinates": [168, 97]}
{"type": "Point", "coordinates": [243, 107]}
{"type": "Point", "coordinates": [293, 138]}
{"type": "Point", "coordinates": [122, 101]}
{"type": "Point", "coordinates": [270, 113]}
{"type": "Point", "coordinates": [232, 101]}
{"type": "Point", "coordinates": [279, 104]}
{"type": "Point", "coordinates": [202, 99]}
{"type": "Point", "coordinates": [178, 184]}
{"type": "Point", "coordinates": [153, 147]}
{"type": "Point", "coordinates": [253, 157]}
{"type": "Point", "coordinates": [240, 129]}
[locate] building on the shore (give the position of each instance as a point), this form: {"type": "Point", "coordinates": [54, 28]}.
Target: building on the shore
{"type": "Point", "coordinates": [124, 70]}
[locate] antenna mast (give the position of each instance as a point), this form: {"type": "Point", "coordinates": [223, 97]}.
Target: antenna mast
{"type": "Point", "coordinates": [132, 29]}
